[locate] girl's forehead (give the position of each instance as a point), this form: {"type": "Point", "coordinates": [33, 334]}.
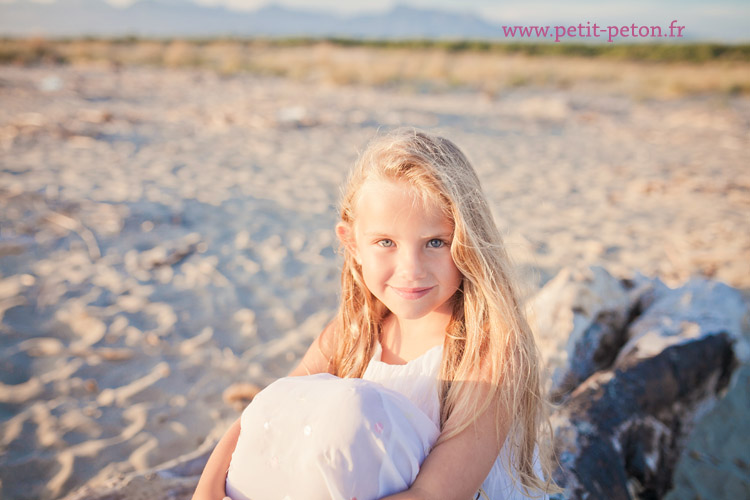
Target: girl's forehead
{"type": "Point", "coordinates": [397, 202]}
{"type": "Point", "coordinates": [375, 189]}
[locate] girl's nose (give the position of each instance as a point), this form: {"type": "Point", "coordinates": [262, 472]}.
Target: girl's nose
{"type": "Point", "coordinates": [410, 264]}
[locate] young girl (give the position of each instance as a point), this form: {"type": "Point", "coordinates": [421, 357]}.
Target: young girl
{"type": "Point", "coordinates": [426, 385]}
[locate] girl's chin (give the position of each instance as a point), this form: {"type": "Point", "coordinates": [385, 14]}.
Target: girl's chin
{"type": "Point", "coordinates": [412, 313]}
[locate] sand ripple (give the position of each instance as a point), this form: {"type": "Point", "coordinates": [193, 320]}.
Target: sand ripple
{"type": "Point", "coordinates": [167, 234]}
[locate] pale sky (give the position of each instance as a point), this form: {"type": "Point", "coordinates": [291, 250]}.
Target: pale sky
{"type": "Point", "coordinates": [730, 18]}
{"type": "Point", "coordinates": [726, 17]}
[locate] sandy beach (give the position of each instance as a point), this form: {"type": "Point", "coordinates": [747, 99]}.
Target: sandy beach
{"type": "Point", "coordinates": [167, 233]}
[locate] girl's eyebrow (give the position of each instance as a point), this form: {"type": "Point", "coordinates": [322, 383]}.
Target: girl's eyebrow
{"type": "Point", "coordinates": [383, 234]}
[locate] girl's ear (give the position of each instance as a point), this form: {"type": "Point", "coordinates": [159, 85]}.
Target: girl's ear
{"type": "Point", "coordinates": [345, 232]}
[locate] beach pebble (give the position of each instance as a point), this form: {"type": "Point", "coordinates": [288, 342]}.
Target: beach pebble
{"type": "Point", "coordinates": [240, 394]}
{"type": "Point", "coordinates": [91, 385]}
{"type": "Point", "coordinates": [42, 346]}
{"type": "Point", "coordinates": [97, 116]}
{"type": "Point", "coordinates": [114, 353]}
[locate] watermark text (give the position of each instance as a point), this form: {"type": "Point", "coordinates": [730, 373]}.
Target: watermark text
{"type": "Point", "coordinates": [593, 30]}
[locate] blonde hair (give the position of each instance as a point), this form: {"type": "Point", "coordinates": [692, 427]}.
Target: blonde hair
{"type": "Point", "coordinates": [488, 338]}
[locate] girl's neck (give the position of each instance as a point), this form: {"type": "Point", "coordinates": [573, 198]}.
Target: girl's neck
{"type": "Point", "coordinates": [404, 340]}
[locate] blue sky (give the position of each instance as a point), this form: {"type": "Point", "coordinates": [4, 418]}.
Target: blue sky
{"type": "Point", "coordinates": [722, 19]}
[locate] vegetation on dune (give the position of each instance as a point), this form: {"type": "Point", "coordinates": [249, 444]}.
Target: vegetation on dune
{"type": "Point", "coordinates": [643, 70]}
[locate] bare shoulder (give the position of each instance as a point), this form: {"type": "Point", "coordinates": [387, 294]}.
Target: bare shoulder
{"type": "Point", "coordinates": [317, 359]}
{"type": "Point", "coordinates": [327, 338]}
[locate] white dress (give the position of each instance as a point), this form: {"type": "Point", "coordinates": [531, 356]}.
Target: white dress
{"type": "Point", "coordinates": [320, 437]}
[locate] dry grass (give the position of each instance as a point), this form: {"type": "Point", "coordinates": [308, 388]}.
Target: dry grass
{"type": "Point", "coordinates": [431, 67]}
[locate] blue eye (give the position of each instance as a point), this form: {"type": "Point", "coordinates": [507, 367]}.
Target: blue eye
{"type": "Point", "coordinates": [435, 243]}
{"type": "Point", "coordinates": [385, 243]}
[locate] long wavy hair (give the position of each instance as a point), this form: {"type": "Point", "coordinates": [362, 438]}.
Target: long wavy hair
{"type": "Point", "coordinates": [488, 338]}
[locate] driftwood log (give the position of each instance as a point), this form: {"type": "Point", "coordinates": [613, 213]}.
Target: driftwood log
{"type": "Point", "coordinates": [651, 360]}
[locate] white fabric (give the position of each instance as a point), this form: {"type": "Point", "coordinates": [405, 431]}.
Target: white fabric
{"type": "Point", "coordinates": [417, 379]}
{"type": "Point", "coordinates": [322, 437]}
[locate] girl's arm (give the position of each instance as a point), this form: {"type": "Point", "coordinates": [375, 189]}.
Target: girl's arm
{"type": "Point", "coordinates": [317, 357]}
{"type": "Point", "coordinates": [456, 468]}
{"type": "Point", "coordinates": [211, 485]}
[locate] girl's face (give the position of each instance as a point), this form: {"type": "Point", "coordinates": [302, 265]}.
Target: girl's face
{"type": "Point", "coordinates": [403, 245]}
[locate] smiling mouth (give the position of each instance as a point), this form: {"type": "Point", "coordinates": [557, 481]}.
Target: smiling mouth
{"type": "Point", "coordinates": [412, 293]}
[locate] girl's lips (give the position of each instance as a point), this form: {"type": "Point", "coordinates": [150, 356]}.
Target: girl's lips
{"type": "Point", "coordinates": [412, 293]}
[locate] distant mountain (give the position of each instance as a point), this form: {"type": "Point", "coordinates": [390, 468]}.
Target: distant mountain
{"type": "Point", "coordinates": [170, 18]}
{"type": "Point", "coordinates": [409, 22]}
